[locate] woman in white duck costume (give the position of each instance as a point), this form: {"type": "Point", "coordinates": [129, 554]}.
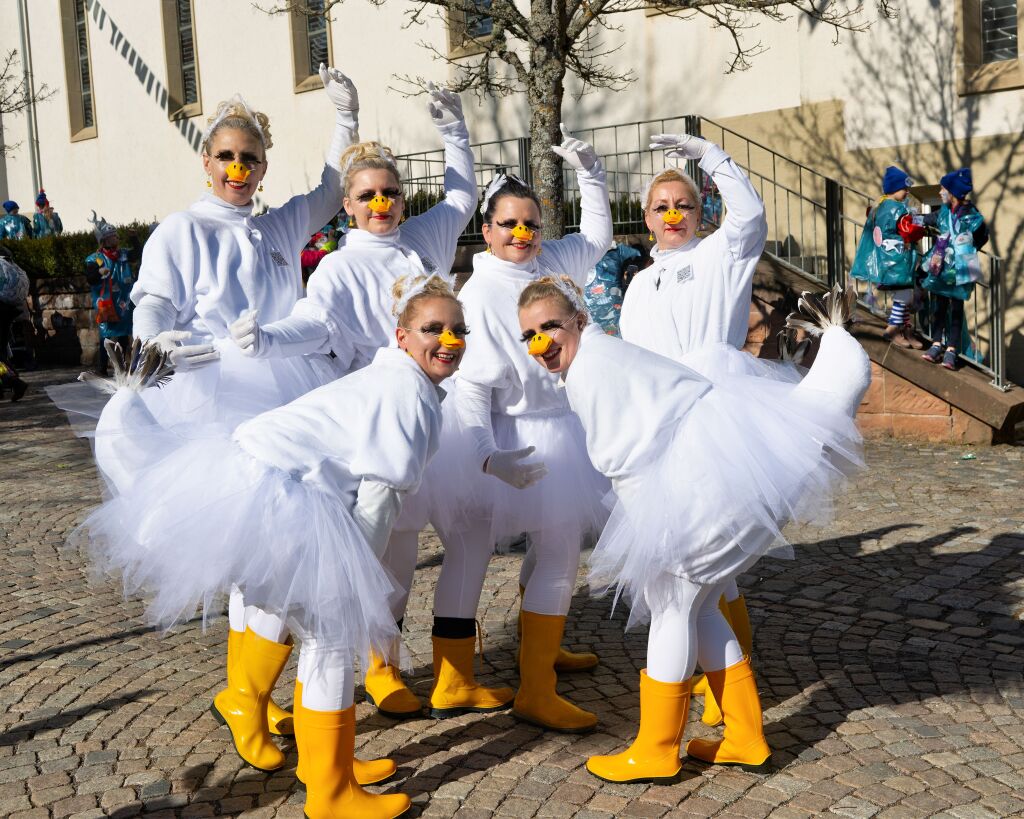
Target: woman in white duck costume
{"type": "Point", "coordinates": [507, 411]}
{"type": "Point", "coordinates": [201, 268]}
{"type": "Point", "coordinates": [693, 303]}
{"type": "Point", "coordinates": [706, 474]}
{"type": "Point", "coordinates": [331, 469]}
{"type": "Point", "coordinates": [347, 310]}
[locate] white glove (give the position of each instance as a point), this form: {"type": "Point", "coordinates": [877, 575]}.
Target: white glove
{"type": "Point", "coordinates": [505, 465]}
{"type": "Point", "coordinates": [445, 106]}
{"type": "Point", "coordinates": [340, 90]}
{"type": "Point", "coordinates": [184, 357]}
{"type": "Point", "coordinates": [680, 146]}
{"type": "Point", "coordinates": [246, 333]}
{"type": "Point", "coordinates": [576, 153]}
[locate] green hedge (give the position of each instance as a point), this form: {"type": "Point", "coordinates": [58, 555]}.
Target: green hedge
{"type": "Point", "coordinates": [63, 255]}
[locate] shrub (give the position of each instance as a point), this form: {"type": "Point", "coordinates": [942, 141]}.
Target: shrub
{"type": "Point", "coordinates": [63, 255]}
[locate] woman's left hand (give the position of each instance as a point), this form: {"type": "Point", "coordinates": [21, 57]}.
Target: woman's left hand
{"type": "Point", "coordinates": [576, 153]}
{"type": "Point", "coordinates": [445, 106]}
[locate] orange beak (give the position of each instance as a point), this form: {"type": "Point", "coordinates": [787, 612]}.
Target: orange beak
{"type": "Point", "coordinates": [237, 172]}
{"type": "Point", "coordinates": [522, 233]}
{"type": "Point", "coordinates": [380, 204]}
{"type": "Point", "coordinates": [450, 342]}
{"type": "Point", "coordinates": [540, 344]}
{"type": "Point", "coordinates": [672, 216]}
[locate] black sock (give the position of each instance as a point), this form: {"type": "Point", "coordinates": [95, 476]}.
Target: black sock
{"type": "Point", "coordinates": [454, 628]}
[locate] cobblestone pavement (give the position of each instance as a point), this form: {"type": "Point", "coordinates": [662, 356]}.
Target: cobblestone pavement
{"type": "Point", "coordinates": [889, 658]}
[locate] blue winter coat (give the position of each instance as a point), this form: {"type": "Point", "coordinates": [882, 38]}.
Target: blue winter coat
{"type": "Point", "coordinates": [46, 227]}
{"type": "Point", "coordinates": [117, 277]}
{"type": "Point", "coordinates": [604, 288]}
{"type": "Point", "coordinates": [883, 257]}
{"type": "Point", "coordinates": [959, 265]}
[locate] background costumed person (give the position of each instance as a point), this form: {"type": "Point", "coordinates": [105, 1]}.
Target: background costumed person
{"type": "Point", "coordinates": [12, 224]}
{"type": "Point", "coordinates": [705, 479]}
{"type": "Point", "coordinates": [347, 310]}
{"type": "Point", "coordinates": [508, 411]}
{"type": "Point", "coordinates": [200, 269]}
{"type": "Point", "coordinates": [109, 274]}
{"type": "Point", "coordinates": [330, 468]}
{"type": "Point", "coordinates": [14, 290]}
{"type": "Point", "coordinates": [887, 254]}
{"type": "Point", "coordinates": [693, 303]}
{"type": "Point", "coordinates": [45, 221]}
{"type": "Point", "coordinates": [953, 266]}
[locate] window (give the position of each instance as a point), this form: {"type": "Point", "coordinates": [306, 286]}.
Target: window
{"type": "Point", "coordinates": [998, 30]}
{"type": "Point", "coordinates": [311, 43]}
{"type": "Point", "coordinates": [78, 69]}
{"type": "Point", "coordinates": [466, 30]}
{"type": "Point", "coordinates": [987, 46]}
{"type": "Point", "coordinates": [183, 99]}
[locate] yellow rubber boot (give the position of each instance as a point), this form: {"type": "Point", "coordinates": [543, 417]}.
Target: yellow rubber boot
{"type": "Point", "coordinates": [326, 743]}
{"type": "Point", "coordinates": [537, 701]}
{"type": "Point", "coordinates": [654, 754]}
{"type": "Point", "coordinates": [566, 661]}
{"type": "Point", "coordinates": [712, 714]}
{"type": "Point", "coordinates": [739, 619]}
{"type": "Point", "coordinates": [742, 742]}
{"type": "Point", "coordinates": [368, 772]}
{"type": "Point", "coordinates": [386, 689]}
{"type": "Point", "coordinates": [242, 706]}
{"type": "Point", "coordinates": [278, 719]}
{"type": "Point", "coordinates": [456, 690]}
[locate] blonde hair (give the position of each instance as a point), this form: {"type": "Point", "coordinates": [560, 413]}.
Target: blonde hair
{"type": "Point", "coordinates": [409, 291]}
{"type": "Point", "coordinates": [562, 289]}
{"type": "Point", "coordinates": [236, 113]}
{"type": "Point", "coordinates": [365, 155]}
{"type": "Point", "coordinates": [672, 175]}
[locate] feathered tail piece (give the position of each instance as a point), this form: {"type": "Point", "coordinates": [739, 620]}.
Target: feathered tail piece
{"type": "Point", "coordinates": [790, 351]}
{"type": "Point", "coordinates": [147, 366]}
{"type": "Point", "coordinates": [817, 312]}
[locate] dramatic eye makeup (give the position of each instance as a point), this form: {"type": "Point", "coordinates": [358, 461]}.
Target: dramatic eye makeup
{"type": "Point", "coordinates": [508, 224]}
{"type": "Point", "coordinates": [678, 206]}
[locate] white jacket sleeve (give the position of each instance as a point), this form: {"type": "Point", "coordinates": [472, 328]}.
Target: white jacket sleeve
{"type": "Point", "coordinates": [153, 315]}
{"type": "Point", "coordinates": [745, 227]}
{"type": "Point", "coordinates": [376, 510]}
{"type": "Point", "coordinates": [324, 201]}
{"type": "Point", "coordinates": [575, 254]}
{"type": "Point", "coordinates": [295, 335]}
{"type": "Point", "coordinates": [437, 231]}
{"type": "Point", "coordinates": [473, 405]}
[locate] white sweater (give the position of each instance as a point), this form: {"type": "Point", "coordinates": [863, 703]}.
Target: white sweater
{"type": "Point", "coordinates": [699, 294]}
{"type": "Point", "coordinates": [350, 291]}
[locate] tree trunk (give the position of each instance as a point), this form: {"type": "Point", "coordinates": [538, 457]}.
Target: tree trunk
{"type": "Point", "coordinates": [544, 92]}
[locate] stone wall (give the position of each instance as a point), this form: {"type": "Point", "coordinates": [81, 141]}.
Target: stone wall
{"type": "Point", "coordinates": [64, 321]}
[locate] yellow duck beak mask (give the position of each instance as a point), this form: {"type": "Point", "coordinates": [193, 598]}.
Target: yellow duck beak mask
{"type": "Point", "coordinates": [380, 204]}
{"type": "Point", "coordinates": [522, 233]}
{"type": "Point", "coordinates": [237, 172]}
{"type": "Point", "coordinates": [450, 342]}
{"type": "Point", "coordinates": [672, 216]}
{"type": "Point", "coordinates": [540, 344]}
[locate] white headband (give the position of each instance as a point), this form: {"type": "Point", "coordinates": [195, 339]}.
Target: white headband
{"type": "Point", "coordinates": [419, 286]}
{"type": "Point", "coordinates": [386, 157]}
{"type": "Point", "coordinates": [645, 191]}
{"type": "Point", "coordinates": [227, 109]}
{"type": "Point", "coordinates": [572, 294]}
{"type": "Point", "coordinates": [499, 182]}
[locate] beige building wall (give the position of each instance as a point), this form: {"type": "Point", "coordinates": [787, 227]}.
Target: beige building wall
{"type": "Point", "coordinates": [891, 95]}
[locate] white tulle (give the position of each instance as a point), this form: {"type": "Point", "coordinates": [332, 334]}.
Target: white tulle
{"type": "Point", "coordinates": [292, 547]}
{"type": "Point", "coordinates": [750, 456]}
{"type": "Point", "coordinates": [571, 496]}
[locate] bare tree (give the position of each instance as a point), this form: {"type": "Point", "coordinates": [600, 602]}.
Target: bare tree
{"type": "Point", "coordinates": [15, 94]}
{"type": "Point", "coordinates": [534, 51]}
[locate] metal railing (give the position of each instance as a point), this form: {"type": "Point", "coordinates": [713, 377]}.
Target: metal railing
{"type": "Point", "coordinates": [814, 222]}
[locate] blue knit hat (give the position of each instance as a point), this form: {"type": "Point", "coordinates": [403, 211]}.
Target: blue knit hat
{"type": "Point", "coordinates": [10, 206]}
{"type": "Point", "coordinates": [958, 183]}
{"type": "Point", "coordinates": [895, 179]}
{"type": "Point", "coordinates": [41, 200]}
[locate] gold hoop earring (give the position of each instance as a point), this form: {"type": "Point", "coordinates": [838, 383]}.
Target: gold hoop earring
{"type": "Point", "coordinates": [209, 184]}
{"type": "Point", "coordinates": [650, 236]}
{"type": "Point", "coordinates": [351, 221]}
{"type": "Point", "coordinates": [488, 248]}
{"type": "Point", "coordinates": [260, 188]}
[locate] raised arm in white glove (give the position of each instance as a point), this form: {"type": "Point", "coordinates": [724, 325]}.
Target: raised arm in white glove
{"type": "Point", "coordinates": [680, 146]}
{"type": "Point", "coordinates": [187, 356]}
{"type": "Point", "coordinates": [342, 92]}
{"type": "Point", "coordinates": [291, 336]}
{"type": "Point", "coordinates": [507, 465]}
{"type": "Point", "coordinates": [377, 508]}
{"type": "Point", "coordinates": [576, 153]}
{"type": "Point", "coordinates": [445, 108]}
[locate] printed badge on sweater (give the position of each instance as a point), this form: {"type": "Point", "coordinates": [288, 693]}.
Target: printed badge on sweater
{"type": "Point", "coordinates": [278, 258]}
{"type": "Point", "coordinates": [428, 265]}
{"type": "Point", "coordinates": [684, 275]}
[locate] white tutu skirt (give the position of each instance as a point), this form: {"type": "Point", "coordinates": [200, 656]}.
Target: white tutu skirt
{"type": "Point", "coordinates": [208, 515]}
{"type": "Point", "coordinates": [715, 360]}
{"type": "Point", "coordinates": [454, 490]}
{"type": "Point", "coordinates": [570, 497]}
{"type": "Point", "coordinates": [752, 455]}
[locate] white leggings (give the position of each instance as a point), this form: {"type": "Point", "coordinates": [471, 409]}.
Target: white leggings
{"type": "Point", "coordinates": [687, 627]}
{"type": "Point", "coordinates": [325, 671]}
{"type": "Point", "coordinates": [400, 559]}
{"type": "Point", "coordinates": [549, 570]}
